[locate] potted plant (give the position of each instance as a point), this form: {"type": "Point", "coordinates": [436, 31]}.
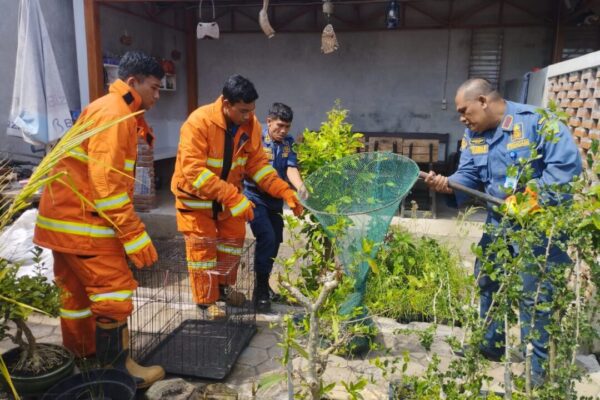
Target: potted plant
{"type": "Point", "coordinates": [33, 366]}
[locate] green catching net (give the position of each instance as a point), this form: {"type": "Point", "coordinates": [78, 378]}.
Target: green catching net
{"type": "Point", "coordinates": [354, 198]}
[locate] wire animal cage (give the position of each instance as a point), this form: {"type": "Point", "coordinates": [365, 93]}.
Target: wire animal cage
{"type": "Point", "coordinates": [167, 326]}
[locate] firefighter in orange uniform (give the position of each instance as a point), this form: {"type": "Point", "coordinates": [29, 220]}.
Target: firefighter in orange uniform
{"type": "Point", "coordinates": [220, 144]}
{"type": "Point", "coordinates": [90, 251]}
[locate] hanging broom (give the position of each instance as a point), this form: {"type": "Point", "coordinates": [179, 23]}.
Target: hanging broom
{"type": "Point", "coordinates": [263, 20]}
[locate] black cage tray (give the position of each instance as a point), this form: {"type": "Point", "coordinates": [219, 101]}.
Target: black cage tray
{"type": "Point", "coordinates": [201, 348]}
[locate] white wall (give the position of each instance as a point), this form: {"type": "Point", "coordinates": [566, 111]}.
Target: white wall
{"type": "Point", "coordinates": [389, 80]}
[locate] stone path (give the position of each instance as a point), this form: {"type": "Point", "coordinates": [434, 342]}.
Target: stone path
{"type": "Point", "coordinates": [261, 357]}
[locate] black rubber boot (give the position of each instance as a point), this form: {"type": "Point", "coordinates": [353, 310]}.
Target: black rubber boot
{"type": "Point", "coordinates": [262, 297]}
{"type": "Point", "coordinates": [112, 351]}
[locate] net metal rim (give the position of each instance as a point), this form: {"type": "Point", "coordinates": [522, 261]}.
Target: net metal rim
{"type": "Point", "coordinates": [369, 211]}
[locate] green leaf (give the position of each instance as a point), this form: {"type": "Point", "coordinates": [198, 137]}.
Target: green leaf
{"type": "Point", "coordinates": [271, 380]}
{"type": "Point", "coordinates": [299, 349]}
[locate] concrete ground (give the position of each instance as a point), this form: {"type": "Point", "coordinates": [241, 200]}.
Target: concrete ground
{"type": "Point", "coordinates": [261, 357]}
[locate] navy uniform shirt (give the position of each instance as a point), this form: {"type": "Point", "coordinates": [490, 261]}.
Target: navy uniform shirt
{"type": "Point", "coordinates": [281, 156]}
{"type": "Point", "coordinates": [486, 156]}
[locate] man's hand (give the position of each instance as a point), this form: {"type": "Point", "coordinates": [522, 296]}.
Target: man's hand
{"type": "Point", "coordinates": [439, 183]}
{"type": "Point", "coordinates": [291, 198]}
{"type": "Point", "coordinates": [144, 257]}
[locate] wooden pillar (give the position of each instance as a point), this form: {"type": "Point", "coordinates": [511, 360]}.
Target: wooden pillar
{"type": "Point", "coordinates": [559, 34]}
{"type": "Point", "coordinates": [191, 64]}
{"type": "Point", "coordinates": [94, 49]}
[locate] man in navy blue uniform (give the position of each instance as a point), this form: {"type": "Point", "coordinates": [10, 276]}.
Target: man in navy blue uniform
{"type": "Point", "coordinates": [267, 225]}
{"type": "Point", "coordinates": [498, 134]}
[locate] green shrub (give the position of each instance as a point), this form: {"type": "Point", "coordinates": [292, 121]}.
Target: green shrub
{"type": "Point", "coordinates": [419, 280]}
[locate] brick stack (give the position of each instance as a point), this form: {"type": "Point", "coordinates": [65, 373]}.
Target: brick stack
{"type": "Point", "coordinates": [578, 94]}
{"type": "Point", "coordinates": [144, 195]}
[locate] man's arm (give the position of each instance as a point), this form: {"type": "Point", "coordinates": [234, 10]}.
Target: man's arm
{"type": "Point", "coordinates": [293, 175]}
{"type": "Point", "coordinates": [560, 158]}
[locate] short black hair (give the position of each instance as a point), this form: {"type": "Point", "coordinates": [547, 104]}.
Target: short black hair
{"type": "Point", "coordinates": [282, 112]}
{"type": "Point", "coordinates": [237, 88]}
{"type": "Point", "coordinates": [475, 87]}
{"type": "Point", "coordinates": [138, 63]}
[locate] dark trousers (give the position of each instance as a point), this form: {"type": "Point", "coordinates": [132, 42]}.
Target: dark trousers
{"type": "Point", "coordinates": [495, 335]}
{"type": "Point", "coordinates": [267, 227]}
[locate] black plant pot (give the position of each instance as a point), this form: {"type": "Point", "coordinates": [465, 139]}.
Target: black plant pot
{"type": "Point", "coordinates": [38, 384]}
{"type": "Point", "coordinates": [96, 384]}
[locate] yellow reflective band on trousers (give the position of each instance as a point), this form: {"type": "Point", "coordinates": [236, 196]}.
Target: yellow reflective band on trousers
{"type": "Point", "coordinates": [119, 295]}
{"type": "Point", "coordinates": [197, 204]}
{"type": "Point", "coordinates": [202, 264]}
{"type": "Point", "coordinates": [136, 244]}
{"type": "Point", "coordinates": [112, 202]}
{"type": "Point", "coordinates": [129, 165]}
{"type": "Point", "coordinates": [202, 178]}
{"type": "Point", "coordinates": [79, 154]}
{"type": "Point", "coordinates": [236, 251]}
{"type": "Point", "coordinates": [75, 314]}
{"type": "Point", "coordinates": [75, 228]}
{"type": "Point", "coordinates": [239, 207]}
{"type": "Point", "coordinates": [214, 162]}
{"type": "Point", "coordinates": [264, 171]}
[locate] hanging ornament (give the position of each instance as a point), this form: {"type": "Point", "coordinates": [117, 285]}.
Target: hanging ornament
{"type": "Point", "coordinates": [329, 42]}
{"type": "Point", "coordinates": [392, 16]}
{"type": "Point", "coordinates": [327, 8]}
{"type": "Point", "coordinates": [263, 20]}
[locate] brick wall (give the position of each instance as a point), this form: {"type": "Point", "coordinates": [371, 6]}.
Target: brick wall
{"type": "Point", "coordinates": [578, 94]}
{"type": "Point", "coordinates": [144, 196]}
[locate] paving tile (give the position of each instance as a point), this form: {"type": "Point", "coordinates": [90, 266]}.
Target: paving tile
{"type": "Point", "coordinates": [264, 340]}
{"type": "Point", "coordinates": [253, 356]}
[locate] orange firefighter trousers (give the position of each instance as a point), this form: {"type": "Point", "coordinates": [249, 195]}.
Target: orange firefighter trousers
{"type": "Point", "coordinates": [213, 252]}
{"type": "Point", "coordinates": [91, 286]}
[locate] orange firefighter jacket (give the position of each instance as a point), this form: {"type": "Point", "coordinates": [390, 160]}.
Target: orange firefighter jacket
{"type": "Point", "coordinates": [197, 178]}
{"type": "Point", "coordinates": [67, 223]}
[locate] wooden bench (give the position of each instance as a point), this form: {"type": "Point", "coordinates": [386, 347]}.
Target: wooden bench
{"type": "Point", "coordinates": [428, 150]}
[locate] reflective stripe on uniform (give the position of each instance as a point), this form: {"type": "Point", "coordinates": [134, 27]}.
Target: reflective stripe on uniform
{"type": "Point", "coordinates": [202, 264]}
{"type": "Point", "coordinates": [240, 162]}
{"type": "Point", "coordinates": [75, 228]}
{"type": "Point", "coordinates": [214, 162]}
{"type": "Point", "coordinates": [202, 177]}
{"type": "Point", "coordinates": [75, 314]}
{"type": "Point", "coordinates": [112, 202]}
{"type": "Point", "coordinates": [79, 154]}
{"type": "Point", "coordinates": [239, 207]}
{"type": "Point", "coordinates": [119, 295]}
{"type": "Point", "coordinates": [129, 164]}
{"type": "Point", "coordinates": [233, 250]}
{"type": "Point", "coordinates": [197, 204]}
{"type": "Point", "coordinates": [136, 244]}
{"type": "Point", "coordinates": [264, 171]}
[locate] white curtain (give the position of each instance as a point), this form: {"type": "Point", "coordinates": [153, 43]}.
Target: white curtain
{"type": "Point", "coordinates": [39, 112]}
